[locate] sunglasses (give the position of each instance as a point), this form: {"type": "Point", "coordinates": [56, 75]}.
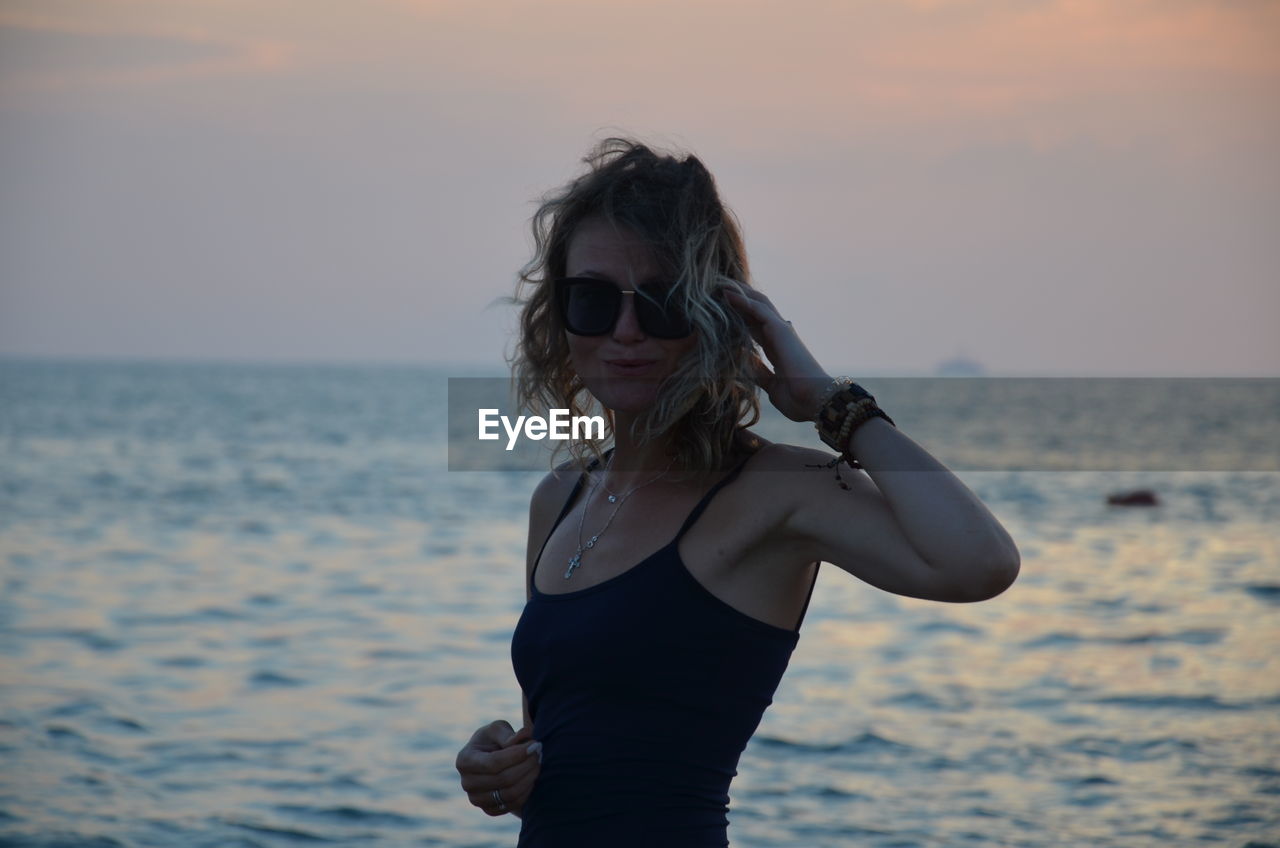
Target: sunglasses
{"type": "Point", "coordinates": [590, 307]}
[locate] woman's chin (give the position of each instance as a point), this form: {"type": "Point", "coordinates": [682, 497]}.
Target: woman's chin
{"type": "Point", "coordinates": [626, 396]}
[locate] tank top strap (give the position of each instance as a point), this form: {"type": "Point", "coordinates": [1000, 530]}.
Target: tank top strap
{"type": "Point", "coordinates": [573, 496]}
{"type": "Point", "coordinates": [706, 499]}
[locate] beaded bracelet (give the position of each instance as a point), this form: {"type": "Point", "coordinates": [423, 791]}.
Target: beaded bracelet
{"type": "Point", "coordinates": [846, 407]}
{"type": "Point", "coordinates": [856, 413]}
{"type": "Point", "coordinates": [834, 386]}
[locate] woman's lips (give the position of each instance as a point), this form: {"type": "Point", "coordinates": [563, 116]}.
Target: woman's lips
{"type": "Point", "coordinates": [631, 366]}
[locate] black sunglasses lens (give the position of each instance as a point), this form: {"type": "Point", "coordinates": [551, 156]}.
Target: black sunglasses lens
{"type": "Point", "coordinates": [661, 316]}
{"type": "Point", "coordinates": [590, 307]}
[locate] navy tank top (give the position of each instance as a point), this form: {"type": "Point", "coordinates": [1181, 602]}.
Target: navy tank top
{"type": "Point", "coordinates": [644, 691]}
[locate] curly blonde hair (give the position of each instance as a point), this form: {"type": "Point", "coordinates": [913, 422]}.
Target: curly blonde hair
{"type": "Point", "coordinates": [671, 202]}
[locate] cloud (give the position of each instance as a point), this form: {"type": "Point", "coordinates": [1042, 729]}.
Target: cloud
{"type": "Point", "coordinates": [1010, 163]}
{"type": "Point", "coordinates": [43, 54]}
{"type": "Point", "coordinates": [1040, 72]}
{"type": "Point", "coordinates": [1047, 72]}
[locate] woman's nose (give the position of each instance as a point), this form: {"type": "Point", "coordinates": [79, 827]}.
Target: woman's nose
{"type": "Point", "coordinates": [627, 328]}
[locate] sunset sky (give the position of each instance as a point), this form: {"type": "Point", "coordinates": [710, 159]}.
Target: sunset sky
{"type": "Point", "coordinates": [1049, 187]}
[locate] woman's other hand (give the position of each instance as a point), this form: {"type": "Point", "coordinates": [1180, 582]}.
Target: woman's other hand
{"type": "Point", "coordinates": [499, 759]}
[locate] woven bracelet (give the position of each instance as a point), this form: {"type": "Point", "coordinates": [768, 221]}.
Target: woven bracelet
{"type": "Point", "coordinates": [845, 410]}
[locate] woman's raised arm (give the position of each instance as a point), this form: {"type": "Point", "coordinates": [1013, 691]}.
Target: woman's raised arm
{"type": "Point", "coordinates": [908, 525]}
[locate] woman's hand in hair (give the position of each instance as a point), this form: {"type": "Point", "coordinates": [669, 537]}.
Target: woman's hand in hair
{"type": "Point", "coordinates": [796, 380]}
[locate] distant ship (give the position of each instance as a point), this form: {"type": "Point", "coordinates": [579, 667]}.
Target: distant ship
{"type": "Point", "coordinates": [960, 366]}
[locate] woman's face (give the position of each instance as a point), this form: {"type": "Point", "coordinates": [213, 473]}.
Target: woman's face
{"type": "Point", "coordinates": [623, 367]}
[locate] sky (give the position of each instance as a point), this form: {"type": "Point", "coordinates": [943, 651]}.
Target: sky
{"type": "Point", "coordinates": [1049, 187]}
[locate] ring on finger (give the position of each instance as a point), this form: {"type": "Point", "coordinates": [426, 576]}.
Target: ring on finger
{"type": "Point", "coordinates": [497, 798]}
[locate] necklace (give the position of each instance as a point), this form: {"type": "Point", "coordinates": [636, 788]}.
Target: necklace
{"type": "Point", "coordinates": [576, 559]}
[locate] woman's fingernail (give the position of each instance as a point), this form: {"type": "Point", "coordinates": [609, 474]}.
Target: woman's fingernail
{"type": "Point", "coordinates": [534, 748]}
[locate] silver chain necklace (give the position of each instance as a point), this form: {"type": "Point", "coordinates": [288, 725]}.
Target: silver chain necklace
{"type": "Point", "coordinates": [576, 559]}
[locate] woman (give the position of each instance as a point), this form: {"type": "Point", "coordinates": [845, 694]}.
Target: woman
{"type": "Point", "coordinates": [666, 579]}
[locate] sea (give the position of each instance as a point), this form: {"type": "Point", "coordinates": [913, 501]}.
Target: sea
{"type": "Point", "coordinates": [247, 606]}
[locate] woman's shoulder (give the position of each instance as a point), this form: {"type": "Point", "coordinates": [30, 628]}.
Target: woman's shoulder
{"type": "Point", "coordinates": [554, 488]}
{"type": "Point", "coordinates": [763, 455]}
{"type": "Point", "coordinates": [776, 476]}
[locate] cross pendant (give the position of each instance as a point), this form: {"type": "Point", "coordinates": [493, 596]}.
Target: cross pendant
{"type": "Point", "coordinates": [574, 562]}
